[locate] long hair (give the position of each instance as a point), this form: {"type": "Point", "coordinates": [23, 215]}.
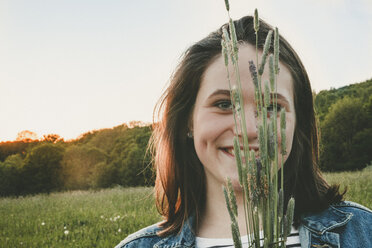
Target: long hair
{"type": "Point", "coordinates": [180, 179]}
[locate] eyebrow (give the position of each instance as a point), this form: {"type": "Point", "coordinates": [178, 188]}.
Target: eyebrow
{"type": "Point", "coordinates": [219, 92]}
{"type": "Point", "coordinates": [227, 93]}
{"type": "Point", "coordinates": [280, 97]}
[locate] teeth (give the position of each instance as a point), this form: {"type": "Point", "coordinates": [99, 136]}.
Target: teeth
{"type": "Point", "coordinates": [231, 151]}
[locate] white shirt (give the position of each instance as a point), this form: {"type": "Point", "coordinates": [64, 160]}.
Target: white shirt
{"type": "Point", "coordinates": [293, 240]}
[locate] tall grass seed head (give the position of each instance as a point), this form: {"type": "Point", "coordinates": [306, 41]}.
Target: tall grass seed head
{"type": "Point", "coordinates": [280, 202]}
{"type": "Point", "coordinates": [282, 119]}
{"type": "Point", "coordinates": [272, 72]}
{"type": "Point", "coordinates": [234, 206]}
{"type": "Point", "coordinates": [233, 39]}
{"type": "Point", "coordinates": [224, 52]}
{"type": "Point", "coordinates": [236, 235]}
{"type": "Point", "coordinates": [256, 21]}
{"type": "Point", "coordinates": [271, 139]}
{"type": "Point", "coordinates": [283, 132]}
{"type": "Point", "coordinates": [253, 71]}
{"type": "Point", "coordinates": [262, 145]}
{"type": "Point", "coordinates": [236, 99]}
{"type": "Point", "coordinates": [227, 5]}
{"type": "Point", "coordinates": [289, 217]}
{"type": "Point", "coordinates": [226, 38]}
{"type": "Point", "coordinates": [283, 142]}
{"type": "Point", "coordinates": [228, 203]}
{"type": "Point", "coordinates": [253, 159]}
{"type": "Point", "coordinates": [276, 50]}
{"type": "Point", "coordinates": [258, 173]}
{"type": "Point", "coordinates": [267, 94]}
{"type": "Point", "coordinates": [265, 52]}
{"type": "Point", "coordinates": [225, 35]}
{"type": "Point", "coordinates": [238, 159]}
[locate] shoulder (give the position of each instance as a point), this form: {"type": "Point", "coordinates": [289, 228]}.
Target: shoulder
{"type": "Point", "coordinates": [341, 212]}
{"type": "Point", "coordinates": [145, 237]}
{"type": "Point", "coordinates": [360, 216]}
{"type": "Point", "coordinates": [348, 222]}
{"type": "Point", "coordinates": [337, 215]}
{"type": "Point", "coordinates": [353, 207]}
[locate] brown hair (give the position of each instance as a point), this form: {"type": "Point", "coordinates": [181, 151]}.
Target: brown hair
{"type": "Point", "coordinates": [180, 179]}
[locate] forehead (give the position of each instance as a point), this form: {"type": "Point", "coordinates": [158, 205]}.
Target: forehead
{"type": "Point", "coordinates": [215, 76]}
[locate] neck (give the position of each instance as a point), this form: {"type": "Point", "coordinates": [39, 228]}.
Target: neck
{"type": "Point", "coordinates": [215, 220]}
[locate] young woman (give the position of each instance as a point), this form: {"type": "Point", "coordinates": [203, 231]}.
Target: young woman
{"type": "Point", "coordinates": [193, 154]}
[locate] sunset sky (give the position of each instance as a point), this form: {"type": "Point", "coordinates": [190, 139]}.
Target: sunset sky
{"type": "Point", "coordinates": [70, 66]}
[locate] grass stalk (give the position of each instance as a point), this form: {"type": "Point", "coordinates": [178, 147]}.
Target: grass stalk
{"type": "Point", "coordinates": [263, 196]}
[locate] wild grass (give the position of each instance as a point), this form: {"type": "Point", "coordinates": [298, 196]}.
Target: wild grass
{"type": "Point", "coordinates": [263, 202]}
{"type": "Point", "coordinates": [75, 219]}
{"type": "Point", "coordinates": [358, 183]}
{"type": "Point", "coordinates": [91, 217]}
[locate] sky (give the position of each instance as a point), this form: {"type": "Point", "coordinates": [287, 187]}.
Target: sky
{"type": "Point", "coordinates": [71, 66]}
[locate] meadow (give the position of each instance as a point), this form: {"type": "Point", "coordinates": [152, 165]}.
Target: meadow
{"type": "Point", "coordinates": [75, 219]}
{"type": "Point", "coordinates": [103, 218]}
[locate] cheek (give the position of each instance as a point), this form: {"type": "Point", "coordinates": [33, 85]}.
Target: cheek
{"type": "Point", "coordinates": [203, 133]}
{"type": "Point", "coordinates": [290, 127]}
{"type": "Point", "coordinates": [289, 136]}
{"type": "Point", "coordinates": [209, 131]}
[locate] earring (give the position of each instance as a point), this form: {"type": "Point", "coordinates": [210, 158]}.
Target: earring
{"type": "Point", "coordinates": [189, 134]}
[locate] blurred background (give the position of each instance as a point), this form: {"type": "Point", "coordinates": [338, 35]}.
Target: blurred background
{"type": "Point", "coordinates": [68, 67]}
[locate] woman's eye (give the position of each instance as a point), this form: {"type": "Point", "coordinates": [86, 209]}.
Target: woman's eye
{"type": "Point", "coordinates": [270, 109]}
{"type": "Point", "coordinates": [224, 105]}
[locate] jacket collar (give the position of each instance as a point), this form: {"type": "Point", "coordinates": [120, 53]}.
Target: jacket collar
{"type": "Point", "coordinates": [318, 223]}
{"type": "Point", "coordinates": [185, 238]}
{"type": "Point", "coordinates": [326, 220]}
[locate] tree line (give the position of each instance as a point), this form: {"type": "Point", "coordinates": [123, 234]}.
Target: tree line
{"type": "Point", "coordinates": [98, 159]}
{"type": "Point", "coordinates": [119, 156]}
{"type": "Point", "coordinates": [345, 120]}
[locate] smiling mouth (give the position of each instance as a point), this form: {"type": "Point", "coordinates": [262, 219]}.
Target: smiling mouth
{"type": "Point", "coordinates": [230, 150]}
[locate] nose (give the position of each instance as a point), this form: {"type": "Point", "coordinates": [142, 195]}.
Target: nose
{"type": "Point", "coordinates": [250, 124]}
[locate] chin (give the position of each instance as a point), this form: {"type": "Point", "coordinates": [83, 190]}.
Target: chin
{"type": "Point", "coordinates": [235, 183]}
{"type": "Point", "coordinates": [237, 187]}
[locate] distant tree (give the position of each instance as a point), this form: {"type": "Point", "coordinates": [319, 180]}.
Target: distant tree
{"type": "Point", "coordinates": [326, 98]}
{"type": "Point", "coordinates": [10, 175]}
{"type": "Point", "coordinates": [15, 147]}
{"type": "Point", "coordinates": [79, 166]}
{"type": "Point", "coordinates": [130, 160]}
{"type": "Point", "coordinates": [132, 167]}
{"type": "Point", "coordinates": [52, 138]}
{"type": "Point", "coordinates": [133, 124]}
{"type": "Point", "coordinates": [346, 135]}
{"type": "Point", "coordinates": [105, 139]}
{"type": "Point", "coordinates": [27, 136]}
{"type": "Point", "coordinates": [99, 158]}
{"type": "Point", "coordinates": [42, 168]}
{"type": "Point", "coordinates": [104, 175]}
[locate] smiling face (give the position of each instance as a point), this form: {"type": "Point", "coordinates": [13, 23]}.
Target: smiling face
{"type": "Point", "coordinates": [212, 119]}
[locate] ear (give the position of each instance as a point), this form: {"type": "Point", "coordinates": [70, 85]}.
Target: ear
{"type": "Point", "coordinates": [190, 125]}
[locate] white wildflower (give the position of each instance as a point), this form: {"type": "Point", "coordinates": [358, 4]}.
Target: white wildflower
{"type": "Point", "coordinates": [66, 232]}
{"type": "Point", "coordinates": [43, 223]}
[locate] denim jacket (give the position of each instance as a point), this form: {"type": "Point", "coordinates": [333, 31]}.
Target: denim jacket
{"type": "Point", "coordinates": [345, 224]}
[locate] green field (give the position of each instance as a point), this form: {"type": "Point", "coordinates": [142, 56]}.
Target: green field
{"type": "Point", "coordinates": [75, 219]}
{"type": "Point", "coordinates": [103, 218]}
{"type": "Point", "coordinates": [358, 183]}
